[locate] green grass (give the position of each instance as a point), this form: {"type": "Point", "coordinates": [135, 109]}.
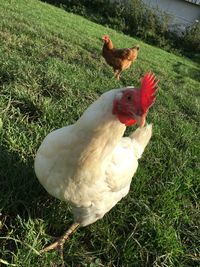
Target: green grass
{"type": "Point", "coordinates": [51, 69]}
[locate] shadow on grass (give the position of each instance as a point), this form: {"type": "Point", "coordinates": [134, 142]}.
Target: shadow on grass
{"type": "Point", "coordinates": [18, 189]}
{"type": "Point", "coordinates": [23, 197]}
{"type": "Point", "coordinates": [187, 71]}
{"type": "Point", "coordinates": [28, 108]}
{"type": "Point", "coordinates": [18, 183]}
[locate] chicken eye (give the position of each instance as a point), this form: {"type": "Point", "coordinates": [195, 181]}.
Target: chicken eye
{"type": "Point", "coordinates": [129, 98]}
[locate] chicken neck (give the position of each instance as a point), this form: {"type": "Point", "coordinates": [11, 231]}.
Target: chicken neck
{"type": "Point", "coordinates": [101, 131]}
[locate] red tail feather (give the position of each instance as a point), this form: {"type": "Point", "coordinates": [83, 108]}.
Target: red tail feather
{"type": "Point", "coordinates": [147, 90]}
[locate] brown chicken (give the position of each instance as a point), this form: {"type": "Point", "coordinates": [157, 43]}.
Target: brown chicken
{"type": "Point", "coordinates": [119, 59]}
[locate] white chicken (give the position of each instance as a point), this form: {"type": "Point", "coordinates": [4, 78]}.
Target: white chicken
{"type": "Point", "coordinates": [90, 164]}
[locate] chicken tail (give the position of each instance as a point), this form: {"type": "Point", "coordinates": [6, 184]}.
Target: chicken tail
{"type": "Point", "coordinates": [141, 137]}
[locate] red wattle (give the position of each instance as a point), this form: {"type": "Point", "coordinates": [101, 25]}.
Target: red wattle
{"type": "Point", "coordinates": [126, 120]}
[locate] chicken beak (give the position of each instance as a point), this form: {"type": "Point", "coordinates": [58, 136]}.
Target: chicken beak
{"type": "Point", "coordinates": [141, 120]}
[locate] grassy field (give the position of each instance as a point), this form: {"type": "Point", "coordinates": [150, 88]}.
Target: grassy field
{"type": "Point", "coordinates": [51, 69]}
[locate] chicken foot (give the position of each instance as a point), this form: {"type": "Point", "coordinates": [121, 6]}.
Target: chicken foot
{"type": "Point", "coordinates": [60, 242]}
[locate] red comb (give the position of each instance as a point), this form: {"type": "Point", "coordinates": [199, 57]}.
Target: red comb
{"type": "Point", "coordinates": [147, 91]}
{"type": "Point", "coordinates": [105, 37]}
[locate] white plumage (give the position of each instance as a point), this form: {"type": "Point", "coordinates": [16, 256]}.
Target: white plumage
{"type": "Point", "coordinates": [90, 164]}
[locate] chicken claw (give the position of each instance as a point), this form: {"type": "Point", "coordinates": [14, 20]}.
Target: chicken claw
{"type": "Point", "coordinates": [60, 242]}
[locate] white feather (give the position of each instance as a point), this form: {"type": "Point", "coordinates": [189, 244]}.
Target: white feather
{"type": "Point", "coordinates": [90, 164]}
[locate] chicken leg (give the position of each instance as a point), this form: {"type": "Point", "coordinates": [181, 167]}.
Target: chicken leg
{"type": "Point", "coordinates": [60, 242]}
{"type": "Point", "coordinates": [117, 74]}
